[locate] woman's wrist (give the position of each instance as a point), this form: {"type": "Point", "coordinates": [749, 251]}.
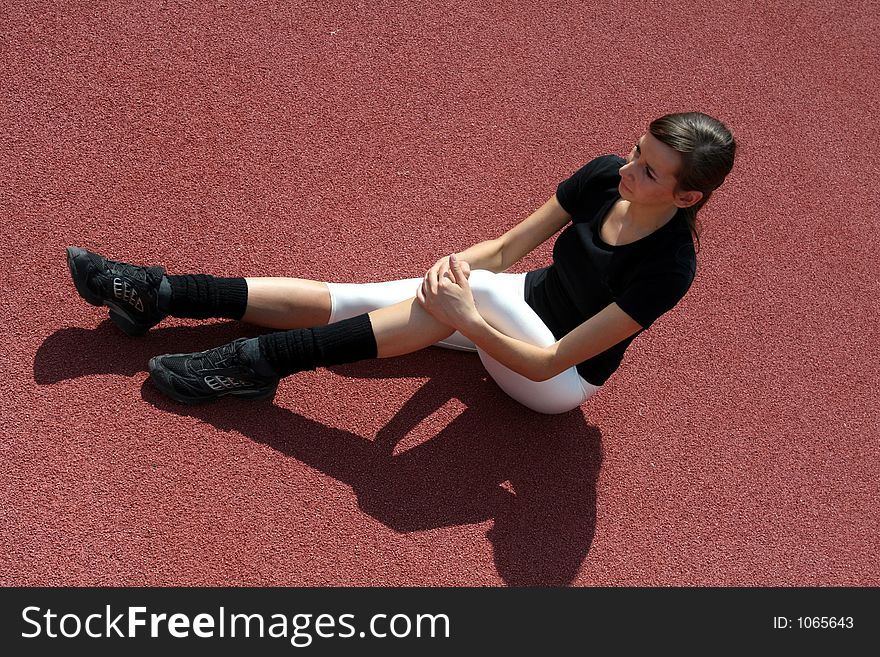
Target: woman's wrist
{"type": "Point", "coordinates": [483, 255]}
{"type": "Point", "coordinates": [473, 326]}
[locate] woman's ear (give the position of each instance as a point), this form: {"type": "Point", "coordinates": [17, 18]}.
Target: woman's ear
{"type": "Point", "coordinates": [687, 199]}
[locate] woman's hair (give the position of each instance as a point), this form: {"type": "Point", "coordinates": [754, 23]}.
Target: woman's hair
{"type": "Point", "coordinates": [707, 150]}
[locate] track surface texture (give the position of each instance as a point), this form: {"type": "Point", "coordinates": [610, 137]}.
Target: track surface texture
{"type": "Point", "coordinates": [356, 142]}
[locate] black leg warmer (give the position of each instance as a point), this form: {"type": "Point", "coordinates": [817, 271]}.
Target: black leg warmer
{"type": "Point", "coordinates": [341, 342]}
{"type": "Point", "coordinates": [199, 296]}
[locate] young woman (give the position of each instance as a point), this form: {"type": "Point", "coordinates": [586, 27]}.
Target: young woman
{"type": "Point", "coordinates": [549, 337]}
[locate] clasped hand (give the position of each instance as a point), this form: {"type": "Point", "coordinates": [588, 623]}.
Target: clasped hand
{"type": "Point", "coordinates": [446, 292]}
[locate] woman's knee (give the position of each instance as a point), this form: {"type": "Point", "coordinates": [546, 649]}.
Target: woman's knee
{"type": "Point", "coordinates": [561, 394]}
{"type": "Point", "coordinates": [556, 404]}
{"type": "Point", "coordinates": [482, 287]}
{"type": "Point", "coordinates": [500, 301]}
{"type": "Point", "coordinates": [492, 298]}
{"type": "Point", "coordinates": [553, 401]}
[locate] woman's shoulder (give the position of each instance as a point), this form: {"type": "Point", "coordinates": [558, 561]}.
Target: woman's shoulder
{"type": "Point", "coordinates": [671, 252]}
{"type": "Point", "coordinates": [597, 178]}
{"type": "Point", "coordinates": [683, 258]}
{"type": "Point", "coordinates": [601, 166]}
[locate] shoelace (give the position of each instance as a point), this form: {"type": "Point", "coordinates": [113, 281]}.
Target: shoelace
{"type": "Point", "coordinates": [220, 357]}
{"type": "Point", "coordinates": [125, 269]}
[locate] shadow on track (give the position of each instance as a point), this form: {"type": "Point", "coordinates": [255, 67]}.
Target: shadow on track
{"type": "Point", "coordinates": [534, 474]}
{"type": "Point", "coordinates": [71, 353]}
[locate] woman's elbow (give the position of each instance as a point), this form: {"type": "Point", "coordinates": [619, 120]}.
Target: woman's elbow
{"type": "Point", "coordinates": [543, 376]}
{"type": "Point", "coordinates": [544, 371]}
{"type": "Point", "coordinates": [532, 373]}
{"type": "Point", "coordinates": [535, 366]}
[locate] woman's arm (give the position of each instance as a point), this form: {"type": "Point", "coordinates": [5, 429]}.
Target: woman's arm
{"type": "Point", "coordinates": [602, 331]}
{"type": "Point", "coordinates": [530, 233]}
{"type": "Point", "coordinates": [482, 255]}
{"type": "Point", "coordinates": [453, 304]}
{"type": "Point", "coordinates": [501, 253]}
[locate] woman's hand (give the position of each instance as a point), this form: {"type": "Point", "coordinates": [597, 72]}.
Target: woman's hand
{"type": "Point", "coordinates": [447, 295]}
{"type": "Point", "coordinates": [441, 269]}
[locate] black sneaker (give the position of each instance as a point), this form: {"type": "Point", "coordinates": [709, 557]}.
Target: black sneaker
{"type": "Point", "coordinates": [131, 292]}
{"type": "Point", "coordinates": [208, 375]}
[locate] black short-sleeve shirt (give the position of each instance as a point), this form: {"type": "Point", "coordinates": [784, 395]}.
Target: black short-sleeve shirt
{"type": "Point", "coordinates": [646, 278]}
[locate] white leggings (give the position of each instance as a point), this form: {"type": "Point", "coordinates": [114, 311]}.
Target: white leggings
{"type": "Point", "coordinates": [500, 299]}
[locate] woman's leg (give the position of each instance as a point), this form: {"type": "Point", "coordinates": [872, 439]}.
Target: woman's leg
{"type": "Point", "coordinates": [400, 325]}
{"type": "Point", "coordinates": [140, 297]}
{"type": "Point", "coordinates": [501, 302]}
{"type": "Point", "coordinates": [251, 367]}
{"type": "Point", "coordinates": [353, 299]}
{"type": "Point", "coordinates": [406, 327]}
{"type": "Point", "coordinates": [287, 303]}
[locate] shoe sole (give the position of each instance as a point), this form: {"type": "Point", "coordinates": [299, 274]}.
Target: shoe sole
{"type": "Point", "coordinates": [118, 314]}
{"type": "Point", "coordinates": [156, 369]}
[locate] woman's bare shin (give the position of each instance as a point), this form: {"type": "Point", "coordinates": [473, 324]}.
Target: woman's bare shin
{"type": "Point", "coordinates": [406, 327]}
{"type": "Point", "coordinates": [287, 303]}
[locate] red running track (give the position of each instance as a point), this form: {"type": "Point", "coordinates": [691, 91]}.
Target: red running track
{"type": "Point", "coordinates": [737, 444]}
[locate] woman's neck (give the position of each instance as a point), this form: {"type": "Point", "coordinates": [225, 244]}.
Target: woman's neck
{"type": "Point", "coordinates": [646, 218]}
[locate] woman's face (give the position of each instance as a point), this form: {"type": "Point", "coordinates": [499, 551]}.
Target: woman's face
{"type": "Point", "coordinates": [649, 175]}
